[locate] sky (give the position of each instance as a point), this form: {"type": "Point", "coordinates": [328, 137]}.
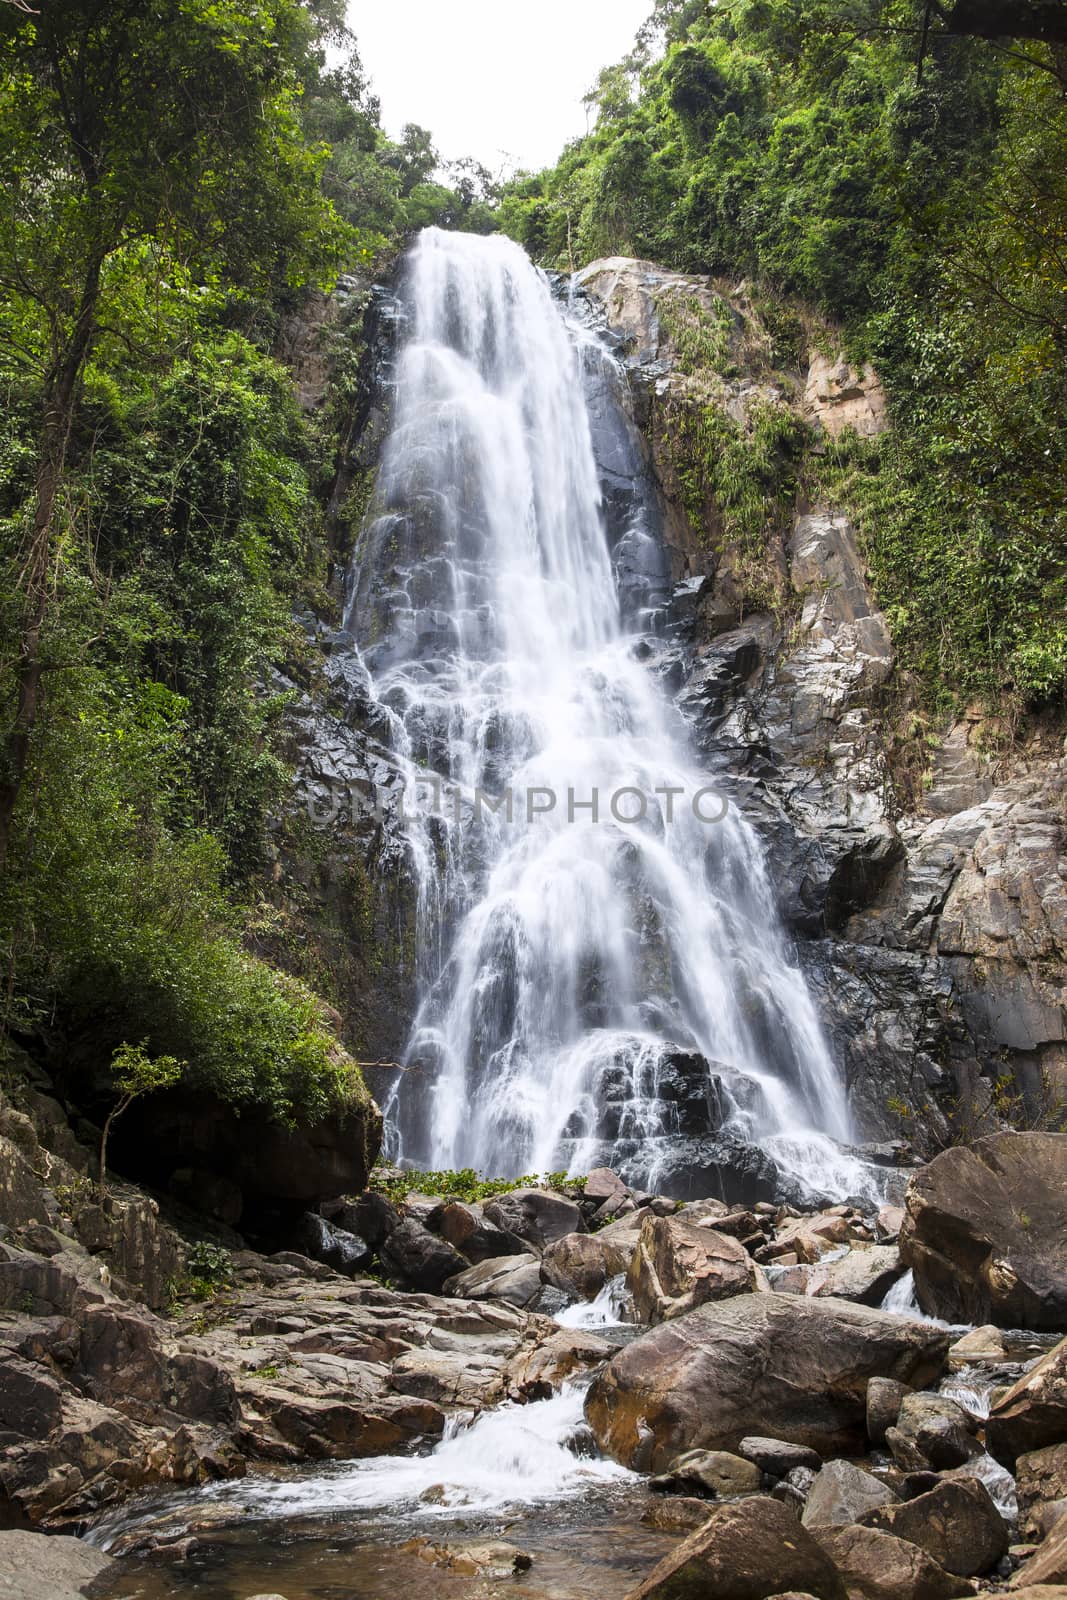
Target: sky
{"type": "Point", "coordinates": [500, 80]}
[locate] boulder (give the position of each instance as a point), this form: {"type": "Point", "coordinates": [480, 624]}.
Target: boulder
{"type": "Point", "coordinates": [981, 1346]}
{"type": "Point", "coordinates": [39, 1566]}
{"type": "Point", "coordinates": [865, 1275]}
{"type": "Point", "coordinates": [713, 1474]}
{"type": "Point", "coordinates": [618, 1241]}
{"type": "Point", "coordinates": [537, 1215]}
{"type": "Point", "coordinates": [577, 1264]}
{"type": "Point", "coordinates": [603, 1184]}
{"type": "Point", "coordinates": [371, 1217]}
{"type": "Point", "coordinates": [418, 1259]}
{"type": "Point", "coordinates": [878, 1566]}
{"type": "Point", "coordinates": [744, 1551]}
{"type": "Point", "coordinates": [811, 1238]}
{"type": "Point", "coordinates": [776, 1457]}
{"type": "Point", "coordinates": [1048, 1564]}
{"type": "Point", "coordinates": [513, 1279]}
{"type": "Point", "coordinates": [469, 1231]}
{"type": "Point", "coordinates": [676, 1513]}
{"type": "Point", "coordinates": [986, 1232]}
{"type": "Point", "coordinates": [1032, 1413]}
{"type": "Point", "coordinates": [1041, 1485]}
{"type": "Point", "coordinates": [677, 1267]}
{"type": "Point", "coordinates": [956, 1523]}
{"type": "Point", "coordinates": [797, 1368]}
{"type": "Point", "coordinates": [841, 1493]}
{"type": "Point", "coordinates": [932, 1431]}
{"type": "Point", "coordinates": [884, 1399]}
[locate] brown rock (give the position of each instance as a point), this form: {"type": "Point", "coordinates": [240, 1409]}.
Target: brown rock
{"type": "Point", "coordinates": [577, 1264]}
{"type": "Point", "coordinates": [956, 1523]}
{"type": "Point", "coordinates": [932, 1431]}
{"type": "Point", "coordinates": [715, 1474]}
{"type": "Point", "coordinates": [1049, 1562]}
{"type": "Point", "coordinates": [878, 1566]}
{"type": "Point", "coordinates": [1032, 1413]}
{"type": "Point", "coordinates": [677, 1267]}
{"type": "Point", "coordinates": [797, 1368]}
{"type": "Point", "coordinates": [676, 1513]}
{"type": "Point", "coordinates": [986, 1231]}
{"type": "Point", "coordinates": [537, 1215]}
{"type": "Point", "coordinates": [1041, 1483]}
{"type": "Point", "coordinates": [744, 1551]}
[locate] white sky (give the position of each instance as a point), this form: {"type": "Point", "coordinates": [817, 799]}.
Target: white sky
{"type": "Point", "coordinates": [493, 79]}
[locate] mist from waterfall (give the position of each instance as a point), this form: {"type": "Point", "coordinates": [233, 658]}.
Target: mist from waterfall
{"type": "Point", "coordinates": [572, 966]}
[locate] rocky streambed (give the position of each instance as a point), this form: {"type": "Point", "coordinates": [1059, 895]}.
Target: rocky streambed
{"type": "Point", "coordinates": [566, 1393]}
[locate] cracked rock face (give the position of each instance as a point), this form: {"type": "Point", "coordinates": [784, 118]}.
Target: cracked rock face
{"type": "Point", "coordinates": [934, 940]}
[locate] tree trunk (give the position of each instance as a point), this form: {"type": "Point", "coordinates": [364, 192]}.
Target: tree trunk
{"type": "Point", "coordinates": [60, 398]}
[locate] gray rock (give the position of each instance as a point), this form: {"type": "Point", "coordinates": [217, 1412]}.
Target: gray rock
{"type": "Point", "coordinates": [514, 1279]}
{"type": "Point", "coordinates": [1032, 1412]}
{"type": "Point", "coordinates": [536, 1215]}
{"type": "Point", "coordinates": [841, 1493]}
{"type": "Point", "coordinates": [38, 1566]}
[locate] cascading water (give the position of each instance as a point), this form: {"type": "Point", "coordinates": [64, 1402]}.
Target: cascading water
{"type": "Point", "coordinates": [592, 987]}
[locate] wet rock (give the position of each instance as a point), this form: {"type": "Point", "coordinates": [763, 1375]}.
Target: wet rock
{"type": "Point", "coordinates": [932, 1431]}
{"type": "Point", "coordinates": [724, 1164]}
{"type": "Point", "coordinates": [841, 1493]}
{"type": "Point", "coordinates": [879, 1566]}
{"type": "Point", "coordinates": [418, 1259]}
{"type": "Point", "coordinates": [335, 1247]}
{"type": "Point", "coordinates": [38, 1566]}
{"type": "Point", "coordinates": [536, 1215]}
{"type": "Point", "coordinates": [777, 1457]}
{"type": "Point", "coordinates": [744, 1551]}
{"type": "Point", "coordinates": [713, 1474]}
{"type": "Point", "coordinates": [956, 1523]}
{"type": "Point", "coordinates": [986, 1231]}
{"type": "Point", "coordinates": [797, 1367]}
{"type": "Point", "coordinates": [371, 1217]}
{"type": "Point", "coordinates": [1041, 1480]}
{"type": "Point", "coordinates": [884, 1399]}
{"type": "Point", "coordinates": [577, 1264]}
{"type": "Point", "coordinates": [1031, 1413]}
{"type": "Point", "coordinates": [514, 1279]}
{"type": "Point", "coordinates": [677, 1267]}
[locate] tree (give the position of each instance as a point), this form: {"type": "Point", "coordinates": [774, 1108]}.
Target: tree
{"type": "Point", "coordinates": [128, 124]}
{"type": "Point", "coordinates": [135, 1073]}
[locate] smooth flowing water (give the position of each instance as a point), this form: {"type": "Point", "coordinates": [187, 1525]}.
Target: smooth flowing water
{"type": "Point", "coordinates": [590, 914]}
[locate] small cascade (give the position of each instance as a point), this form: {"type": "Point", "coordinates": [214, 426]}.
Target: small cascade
{"type": "Point", "coordinates": [612, 1308]}
{"type": "Point", "coordinates": [602, 970]}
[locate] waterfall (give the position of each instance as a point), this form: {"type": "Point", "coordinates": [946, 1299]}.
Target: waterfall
{"type": "Point", "coordinates": [603, 975]}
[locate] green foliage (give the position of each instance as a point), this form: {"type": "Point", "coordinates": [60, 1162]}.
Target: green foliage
{"type": "Point", "coordinates": [466, 1184]}
{"type": "Point", "coordinates": [134, 1072]}
{"type": "Point", "coordinates": [794, 141]}
{"type": "Point", "coordinates": [209, 1270]}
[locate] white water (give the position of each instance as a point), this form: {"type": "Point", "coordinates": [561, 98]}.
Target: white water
{"type": "Point", "coordinates": [612, 1308]}
{"type": "Point", "coordinates": [901, 1299]}
{"type": "Point", "coordinates": [561, 960]}
{"type": "Point", "coordinates": [515, 1455]}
